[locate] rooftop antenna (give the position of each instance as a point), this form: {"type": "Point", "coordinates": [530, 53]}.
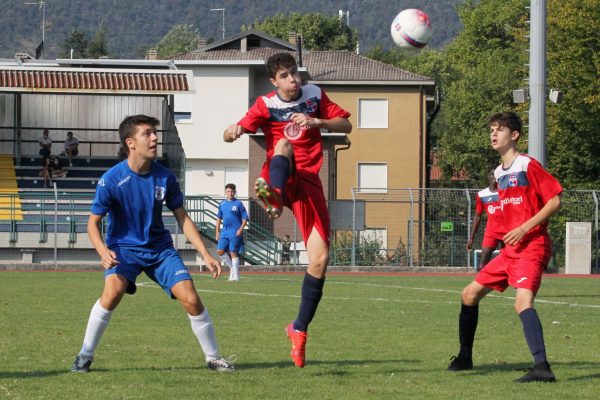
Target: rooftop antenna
{"type": "Point", "coordinates": [223, 11]}
{"type": "Point", "coordinates": [42, 4]}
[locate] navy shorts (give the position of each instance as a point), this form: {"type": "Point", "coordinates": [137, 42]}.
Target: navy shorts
{"type": "Point", "coordinates": [164, 267]}
{"type": "Point", "coordinates": [231, 245]}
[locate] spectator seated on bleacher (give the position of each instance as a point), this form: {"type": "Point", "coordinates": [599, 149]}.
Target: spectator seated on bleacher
{"type": "Point", "coordinates": [45, 144]}
{"type": "Point", "coordinates": [45, 172]}
{"type": "Point", "coordinates": [71, 147]}
{"type": "Point", "coordinates": [56, 168]}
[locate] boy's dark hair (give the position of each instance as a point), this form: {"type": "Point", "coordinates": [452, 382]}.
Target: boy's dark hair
{"type": "Point", "coordinates": [127, 127]}
{"type": "Point", "coordinates": [279, 61]}
{"type": "Point", "coordinates": [508, 119]}
{"type": "Point", "coordinates": [230, 186]}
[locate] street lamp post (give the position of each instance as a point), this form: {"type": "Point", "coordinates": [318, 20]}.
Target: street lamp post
{"type": "Point", "coordinates": [223, 11]}
{"type": "Point", "coordinates": [42, 5]}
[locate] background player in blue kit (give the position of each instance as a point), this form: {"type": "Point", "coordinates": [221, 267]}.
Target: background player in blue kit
{"type": "Point", "coordinates": [132, 193]}
{"type": "Point", "coordinates": [231, 239]}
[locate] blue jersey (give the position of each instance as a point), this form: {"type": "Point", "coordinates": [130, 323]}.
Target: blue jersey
{"type": "Point", "coordinates": [134, 205]}
{"type": "Point", "coordinates": [232, 212]}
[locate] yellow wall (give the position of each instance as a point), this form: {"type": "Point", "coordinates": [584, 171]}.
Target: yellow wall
{"type": "Point", "coordinates": [401, 146]}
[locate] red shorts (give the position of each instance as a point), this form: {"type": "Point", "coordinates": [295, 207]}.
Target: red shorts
{"type": "Point", "coordinates": [490, 241]}
{"type": "Point", "coordinates": [523, 272]}
{"type": "Point", "coordinates": [303, 194]}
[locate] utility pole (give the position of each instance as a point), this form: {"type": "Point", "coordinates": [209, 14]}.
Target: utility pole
{"type": "Point", "coordinates": [42, 5]}
{"type": "Point", "coordinates": [537, 81]}
{"type": "Point", "coordinates": [223, 11]}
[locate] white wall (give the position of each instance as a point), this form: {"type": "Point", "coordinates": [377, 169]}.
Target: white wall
{"type": "Point", "coordinates": [221, 98]}
{"type": "Point", "coordinates": [208, 177]}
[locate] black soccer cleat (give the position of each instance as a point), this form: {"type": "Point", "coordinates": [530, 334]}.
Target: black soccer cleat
{"type": "Point", "coordinates": [81, 364]}
{"type": "Point", "coordinates": [458, 363]}
{"type": "Point", "coordinates": [539, 373]}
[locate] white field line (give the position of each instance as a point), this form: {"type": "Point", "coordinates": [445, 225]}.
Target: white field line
{"type": "Point", "coordinates": [380, 299]}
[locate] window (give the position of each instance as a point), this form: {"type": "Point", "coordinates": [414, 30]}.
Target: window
{"type": "Point", "coordinates": [183, 108]}
{"type": "Point", "coordinates": [373, 113]}
{"type": "Point", "coordinates": [372, 177]}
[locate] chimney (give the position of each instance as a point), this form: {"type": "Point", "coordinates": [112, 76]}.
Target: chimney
{"type": "Point", "coordinates": [152, 54]}
{"type": "Point", "coordinates": [244, 44]}
{"type": "Point", "coordinates": [299, 50]}
{"type": "Point", "coordinates": [292, 37]}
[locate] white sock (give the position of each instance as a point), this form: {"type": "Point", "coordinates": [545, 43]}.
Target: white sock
{"type": "Point", "coordinates": [235, 266]}
{"type": "Point", "coordinates": [226, 259]}
{"type": "Point", "coordinates": [203, 328]}
{"type": "Point", "coordinates": [99, 318]}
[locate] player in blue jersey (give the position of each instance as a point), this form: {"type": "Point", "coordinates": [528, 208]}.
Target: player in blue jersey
{"type": "Point", "coordinates": [132, 194]}
{"type": "Point", "coordinates": [231, 238]}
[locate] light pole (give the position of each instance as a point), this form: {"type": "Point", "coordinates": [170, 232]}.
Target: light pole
{"type": "Point", "coordinates": [223, 11]}
{"type": "Point", "coordinates": [42, 5]}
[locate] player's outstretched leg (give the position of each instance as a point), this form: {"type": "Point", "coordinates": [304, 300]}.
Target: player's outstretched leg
{"type": "Point", "coordinates": [271, 198]}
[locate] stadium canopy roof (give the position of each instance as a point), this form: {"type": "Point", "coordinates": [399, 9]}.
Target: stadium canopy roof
{"type": "Point", "coordinates": [97, 76]}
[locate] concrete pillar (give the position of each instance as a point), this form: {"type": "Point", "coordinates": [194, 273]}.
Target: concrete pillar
{"type": "Point", "coordinates": [578, 248]}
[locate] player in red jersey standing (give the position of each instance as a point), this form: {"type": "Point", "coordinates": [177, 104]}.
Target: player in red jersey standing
{"type": "Point", "coordinates": [291, 118]}
{"type": "Point", "coordinates": [489, 200]}
{"type": "Point", "coordinates": [529, 196]}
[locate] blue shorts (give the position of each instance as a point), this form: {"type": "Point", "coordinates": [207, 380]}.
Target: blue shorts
{"type": "Point", "coordinates": [231, 245]}
{"type": "Point", "coordinates": [164, 267]}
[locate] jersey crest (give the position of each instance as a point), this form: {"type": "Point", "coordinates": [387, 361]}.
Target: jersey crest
{"type": "Point", "coordinates": [159, 193]}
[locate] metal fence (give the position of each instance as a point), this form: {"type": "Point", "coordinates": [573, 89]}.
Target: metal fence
{"type": "Point", "coordinates": [395, 227]}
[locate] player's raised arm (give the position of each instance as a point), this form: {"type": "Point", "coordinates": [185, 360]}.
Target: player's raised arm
{"type": "Point", "coordinates": [233, 132]}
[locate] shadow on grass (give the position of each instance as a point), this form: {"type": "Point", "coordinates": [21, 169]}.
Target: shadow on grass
{"type": "Point", "coordinates": [33, 374]}
{"type": "Point", "coordinates": [487, 369]}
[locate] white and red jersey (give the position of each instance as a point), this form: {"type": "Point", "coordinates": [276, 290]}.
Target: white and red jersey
{"type": "Point", "coordinates": [490, 202]}
{"type": "Point", "coordinates": [273, 116]}
{"type": "Point", "coordinates": [524, 188]}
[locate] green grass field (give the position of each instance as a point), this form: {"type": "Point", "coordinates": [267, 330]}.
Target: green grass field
{"type": "Point", "coordinates": [374, 337]}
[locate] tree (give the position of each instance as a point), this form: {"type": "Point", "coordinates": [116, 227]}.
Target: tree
{"type": "Point", "coordinates": [181, 38]}
{"type": "Point", "coordinates": [77, 42]}
{"type": "Point", "coordinates": [318, 31]}
{"type": "Point", "coordinates": [97, 47]}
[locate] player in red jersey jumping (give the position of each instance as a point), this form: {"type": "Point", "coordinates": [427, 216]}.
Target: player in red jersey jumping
{"type": "Point", "coordinates": [291, 118]}
{"type": "Point", "coordinates": [529, 196]}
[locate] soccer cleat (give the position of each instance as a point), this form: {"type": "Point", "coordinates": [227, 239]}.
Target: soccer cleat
{"type": "Point", "coordinates": [221, 365]}
{"type": "Point", "coordinates": [271, 198]}
{"type": "Point", "coordinates": [458, 363]}
{"type": "Point", "coordinates": [298, 339]}
{"type": "Point", "coordinates": [539, 373]}
{"type": "Point", "coordinates": [81, 364]}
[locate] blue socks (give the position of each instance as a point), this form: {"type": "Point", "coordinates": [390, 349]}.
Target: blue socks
{"type": "Point", "coordinates": [312, 291]}
{"type": "Point", "coordinates": [467, 325]}
{"type": "Point", "coordinates": [279, 172]}
{"type": "Point", "coordinates": [532, 327]}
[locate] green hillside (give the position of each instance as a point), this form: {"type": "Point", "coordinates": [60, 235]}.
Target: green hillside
{"type": "Point", "coordinates": [135, 24]}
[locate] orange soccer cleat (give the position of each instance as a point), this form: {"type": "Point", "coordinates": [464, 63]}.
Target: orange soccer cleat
{"type": "Point", "coordinates": [298, 339]}
{"type": "Point", "coordinates": [271, 198]}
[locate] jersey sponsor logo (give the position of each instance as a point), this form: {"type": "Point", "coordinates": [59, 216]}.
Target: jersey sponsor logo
{"type": "Point", "coordinates": [293, 131]}
{"type": "Point", "coordinates": [101, 182]}
{"type": "Point", "coordinates": [159, 193]}
{"type": "Point", "coordinates": [124, 180]}
{"type": "Point", "coordinates": [513, 200]}
{"type": "Point", "coordinates": [521, 280]}
{"type": "Point", "coordinates": [491, 209]}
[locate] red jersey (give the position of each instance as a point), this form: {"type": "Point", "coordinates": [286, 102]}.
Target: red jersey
{"type": "Point", "coordinates": [524, 188]}
{"type": "Point", "coordinates": [273, 116]}
{"type": "Point", "coordinates": [490, 202]}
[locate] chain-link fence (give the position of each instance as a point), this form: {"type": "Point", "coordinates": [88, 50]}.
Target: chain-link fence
{"type": "Point", "coordinates": [395, 227]}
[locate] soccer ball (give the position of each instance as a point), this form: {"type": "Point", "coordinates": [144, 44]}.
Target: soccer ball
{"type": "Point", "coordinates": [411, 28]}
